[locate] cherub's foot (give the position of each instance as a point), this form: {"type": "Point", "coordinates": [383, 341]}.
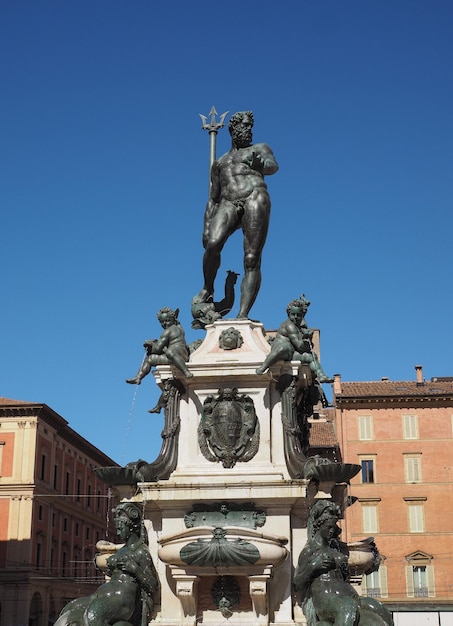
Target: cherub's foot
{"type": "Point", "coordinates": [325, 379]}
{"type": "Point", "coordinates": [156, 409]}
{"type": "Point", "coordinates": [133, 381]}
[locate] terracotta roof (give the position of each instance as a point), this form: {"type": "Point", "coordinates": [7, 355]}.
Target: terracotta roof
{"type": "Point", "coordinates": [11, 402]}
{"type": "Point", "coordinates": [323, 435]}
{"type": "Point", "coordinates": [402, 388]}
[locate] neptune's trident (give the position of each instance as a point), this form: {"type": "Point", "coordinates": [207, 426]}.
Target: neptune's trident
{"type": "Point", "coordinates": [213, 128]}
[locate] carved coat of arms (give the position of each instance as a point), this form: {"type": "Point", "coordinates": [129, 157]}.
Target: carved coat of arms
{"type": "Point", "coordinates": [229, 428]}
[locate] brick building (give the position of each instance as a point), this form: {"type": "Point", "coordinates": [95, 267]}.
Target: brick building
{"type": "Point", "coordinates": [53, 510]}
{"type": "Point", "coordinates": [401, 433]}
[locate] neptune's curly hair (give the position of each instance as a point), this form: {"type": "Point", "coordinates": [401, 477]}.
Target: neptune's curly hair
{"type": "Point", "coordinates": [238, 118]}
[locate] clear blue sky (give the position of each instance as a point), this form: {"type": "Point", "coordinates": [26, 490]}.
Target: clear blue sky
{"type": "Point", "coordinates": [103, 182]}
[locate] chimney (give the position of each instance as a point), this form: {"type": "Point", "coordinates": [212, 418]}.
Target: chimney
{"type": "Point", "coordinates": [385, 379]}
{"type": "Point", "coordinates": [419, 374]}
{"type": "Point", "coordinates": [337, 384]}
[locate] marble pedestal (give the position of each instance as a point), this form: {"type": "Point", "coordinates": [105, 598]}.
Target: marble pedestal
{"type": "Point", "coordinates": [265, 586]}
{"type": "Point", "coordinates": [263, 482]}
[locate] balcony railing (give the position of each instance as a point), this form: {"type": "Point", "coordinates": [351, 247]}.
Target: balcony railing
{"type": "Point", "coordinates": [421, 592]}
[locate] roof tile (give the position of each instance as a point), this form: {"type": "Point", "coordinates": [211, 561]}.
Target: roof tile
{"type": "Point", "coordinates": [388, 388]}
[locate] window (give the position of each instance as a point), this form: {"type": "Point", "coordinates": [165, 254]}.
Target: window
{"type": "Point", "coordinates": [420, 576]}
{"type": "Point", "coordinates": [365, 427]}
{"type": "Point", "coordinates": [43, 466]}
{"type": "Point", "coordinates": [77, 529]}
{"type": "Point", "coordinates": [38, 554]}
{"type": "Point", "coordinates": [370, 518]}
{"type": "Point", "coordinates": [40, 516]}
{"type": "Point", "coordinates": [367, 471]}
{"type": "Point", "coordinates": [373, 585]}
{"type": "Point", "coordinates": [55, 476]}
{"type": "Point", "coordinates": [413, 468]}
{"type": "Point", "coordinates": [2, 444]}
{"type": "Point", "coordinates": [416, 518]}
{"type": "Point", "coordinates": [78, 489]}
{"type": "Point", "coordinates": [68, 478]}
{"type": "Point", "coordinates": [65, 525]}
{"type": "Point", "coordinates": [420, 581]}
{"type": "Point", "coordinates": [410, 427]}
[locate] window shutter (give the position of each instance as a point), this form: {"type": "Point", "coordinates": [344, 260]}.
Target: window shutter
{"type": "Point", "coordinates": [363, 586]}
{"type": "Point", "coordinates": [416, 524]}
{"type": "Point", "coordinates": [409, 581]}
{"type": "Point", "coordinates": [365, 427]}
{"type": "Point", "coordinates": [384, 584]}
{"type": "Point", "coordinates": [369, 518]}
{"type": "Point", "coordinates": [413, 469]}
{"type": "Point", "coordinates": [430, 580]}
{"type": "Point", "coordinates": [410, 427]}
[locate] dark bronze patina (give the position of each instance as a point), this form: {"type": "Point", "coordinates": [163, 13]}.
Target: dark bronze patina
{"type": "Point", "coordinates": [238, 198]}
{"type": "Point", "coordinates": [226, 594]}
{"type": "Point", "coordinates": [207, 312]}
{"type": "Point", "coordinates": [225, 514]}
{"type": "Point", "coordinates": [126, 599]}
{"type": "Point", "coordinates": [230, 339]}
{"type": "Point", "coordinates": [293, 342]}
{"type": "Point", "coordinates": [219, 551]}
{"type": "Point", "coordinates": [321, 579]}
{"type": "Point", "coordinates": [170, 348]}
{"type": "Point", "coordinates": [229, 428]}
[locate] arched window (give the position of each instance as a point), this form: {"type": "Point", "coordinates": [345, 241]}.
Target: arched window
{"type": "Point", "coordinates": [36, 617]}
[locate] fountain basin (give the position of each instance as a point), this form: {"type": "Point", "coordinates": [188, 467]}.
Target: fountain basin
{"type": "Point", "coordinates": [231, 543]}
{"type": "Point", "coordinates": [363, 556]}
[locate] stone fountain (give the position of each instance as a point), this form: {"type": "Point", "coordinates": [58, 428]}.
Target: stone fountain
{"type": "Point", "coordinates": [226, 502]}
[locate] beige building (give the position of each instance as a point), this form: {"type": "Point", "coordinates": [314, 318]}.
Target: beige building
{"type": "Point", "coordinates": [53, 510]}
{"type": "Point", "coordinates": [401, 433]}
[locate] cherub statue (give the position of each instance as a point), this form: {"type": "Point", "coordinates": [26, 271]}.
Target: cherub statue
{"type": "Point", "coordinates": [293, 342]}
{"type": "Point", "coordinates": [171, 347]}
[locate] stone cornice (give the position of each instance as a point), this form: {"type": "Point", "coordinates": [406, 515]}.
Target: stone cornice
{"type": "Point", "coordinates": [61, 427]}
{"type": "Point", "coordinates": [382, 401]}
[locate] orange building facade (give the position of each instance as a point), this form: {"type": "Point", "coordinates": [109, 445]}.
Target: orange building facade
{"type": "Point", "coordinates": [53, 510]}
{"type": "Point", "coordinates": [401, 433]}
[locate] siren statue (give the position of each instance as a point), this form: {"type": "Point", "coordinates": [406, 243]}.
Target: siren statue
{"type": "Point", "coordinates": [127, 598]}
{"type": "Point", "coordinates": [321, 579]}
